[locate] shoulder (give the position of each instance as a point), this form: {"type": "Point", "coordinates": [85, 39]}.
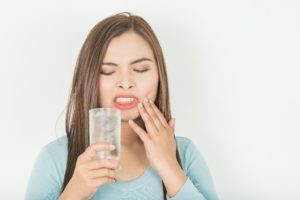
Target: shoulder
{"type": "Point", "coordinates": [183, 141]}
{"type": "Point", "coordinates": [53, 155]}
{"type": "Point", "coordinates": [58, 145]}
{"type": "Point", "coordinates": [195, 167]}
{"type": "Point", "coordinates": [56, 151]}
{"type": "Point", "coordinates": [184, 144]}
{"type": "Point", "coordinates": [48, 171]}
{"type": "Point", "coordinates": [188, 151]}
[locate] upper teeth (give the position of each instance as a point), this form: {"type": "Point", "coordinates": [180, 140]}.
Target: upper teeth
{"type": "Point", "coordinates": [122, 100]}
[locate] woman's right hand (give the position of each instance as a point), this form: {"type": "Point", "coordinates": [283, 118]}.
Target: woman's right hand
{"type": "Point", "coordinates": [90, 173]}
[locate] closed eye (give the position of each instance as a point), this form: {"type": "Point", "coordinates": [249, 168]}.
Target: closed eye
{"type": "Point", "coordinates": [107, 74]}
{"type": "Point", "coordinates": [136, 70]}
{"type": "Point", "coordinates": [141, 71]}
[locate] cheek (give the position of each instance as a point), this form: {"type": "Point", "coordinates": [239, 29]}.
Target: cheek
{"type": "Point", "coordinates": [149, 86]}
{"type": "Point", "coordinates": [105, 88]}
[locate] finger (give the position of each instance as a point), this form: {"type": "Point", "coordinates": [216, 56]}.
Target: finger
{"type": "Point", "coordinates": [98, 164]}
{"type": "Point", "coordinates": [150, 126]}
{"type": "Point", "coordinates": [101, 173]}
{"type": "Point", "coordinates": [171, 123]}
{"type": "Point", "coordinates": [101, 181]}
{"type": "Point", "coordinates": [153, 115]}
{"type": "Point", "coordinates": [92, 150]}
{"type": "Point", "coordinates": [139, 131]}
{"type": "Point", "coordinates": [159, 114]}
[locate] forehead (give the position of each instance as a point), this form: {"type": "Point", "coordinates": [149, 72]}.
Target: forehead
{"type": "Point", "coordinates": [127, 47]}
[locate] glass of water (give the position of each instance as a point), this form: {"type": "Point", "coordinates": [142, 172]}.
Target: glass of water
{"type": "Point", "coordinates": [105, 126]}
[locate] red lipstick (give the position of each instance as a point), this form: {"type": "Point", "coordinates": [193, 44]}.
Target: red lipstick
{"type": "Point", "coordinates": [125, 101]}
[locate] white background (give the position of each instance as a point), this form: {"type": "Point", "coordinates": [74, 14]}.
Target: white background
{"type": "Point", "coordinates": [234, 69]}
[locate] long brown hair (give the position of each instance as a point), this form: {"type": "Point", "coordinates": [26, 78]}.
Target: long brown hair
{"type": "Point", "coordinates": [85, 94]}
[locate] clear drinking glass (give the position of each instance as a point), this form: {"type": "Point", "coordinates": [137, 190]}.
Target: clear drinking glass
{"type": "Point", "coordinates": [105, 126]}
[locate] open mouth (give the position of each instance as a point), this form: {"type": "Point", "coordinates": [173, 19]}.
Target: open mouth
{"type": "Point", "coordinates": [127, 102]}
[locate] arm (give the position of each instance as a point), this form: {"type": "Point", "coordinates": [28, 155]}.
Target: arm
{"type": "Point", "coordinates": [197, 184]}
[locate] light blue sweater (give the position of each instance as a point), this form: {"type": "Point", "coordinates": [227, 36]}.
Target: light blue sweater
{"type": "Point", "coordinates": [48, 174]}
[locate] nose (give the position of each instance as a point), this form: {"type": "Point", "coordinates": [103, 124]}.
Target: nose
{"type": "Point", "coordinates": [125, 83]}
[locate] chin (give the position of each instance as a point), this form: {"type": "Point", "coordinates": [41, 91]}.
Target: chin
{"type": "Point", "coordinates": [127, 115]}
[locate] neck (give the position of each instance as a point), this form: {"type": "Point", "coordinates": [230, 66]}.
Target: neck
{"type": "Point", "coordinates": [128, 137]}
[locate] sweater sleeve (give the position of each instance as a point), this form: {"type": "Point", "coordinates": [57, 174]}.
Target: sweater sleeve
{"type": "Point", "coordinates": [199, 184]}
{"type": "Point", "coordinates": [43, 183]}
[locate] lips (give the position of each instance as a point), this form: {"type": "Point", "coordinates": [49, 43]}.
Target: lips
{"type": "Point", "coordinates": [125, 101]}
{"type": "Point", "coordinates": [125, 97]}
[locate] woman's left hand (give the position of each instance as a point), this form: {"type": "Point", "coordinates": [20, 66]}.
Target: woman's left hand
{"type": "Point", "coordinates": [159, 141]}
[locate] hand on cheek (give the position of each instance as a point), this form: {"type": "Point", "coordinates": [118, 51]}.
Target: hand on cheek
{"type": "Point", "coordinates": [159, 140]}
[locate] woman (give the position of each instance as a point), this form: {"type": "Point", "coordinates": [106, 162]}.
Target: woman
{"type": "Point", "coordinates": [121, 65]}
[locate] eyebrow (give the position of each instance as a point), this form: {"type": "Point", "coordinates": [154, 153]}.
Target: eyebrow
{"type": "Point", "coordinates": [133, 62]}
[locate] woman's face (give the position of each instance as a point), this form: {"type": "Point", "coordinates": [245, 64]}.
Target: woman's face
{"type": "Point", "coordinates": [128, 75]}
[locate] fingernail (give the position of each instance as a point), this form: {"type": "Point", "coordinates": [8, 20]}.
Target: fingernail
{"type": "Point", "coordinates": [146, 100]}
{"type": "Point", "coordinates": [130, 121]}
{"type": "Point", "coordinates": [112, 147]}
{"type": "Point", "coordinates": [140, 105]}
